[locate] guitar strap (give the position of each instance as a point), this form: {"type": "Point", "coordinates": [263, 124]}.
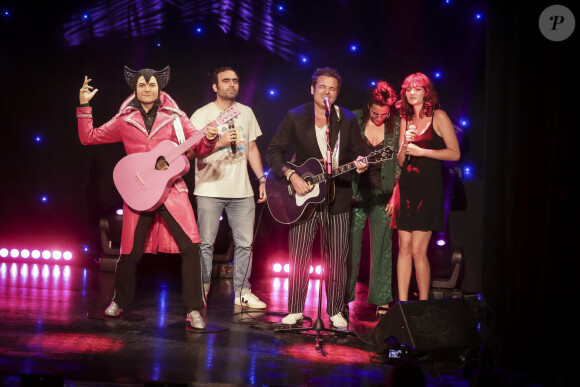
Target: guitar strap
{"type": "Point", "coordinates": [178, 129]}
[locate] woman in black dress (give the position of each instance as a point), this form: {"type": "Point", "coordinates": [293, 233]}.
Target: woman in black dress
{"type": "Point", "coordinates": [427, 138]}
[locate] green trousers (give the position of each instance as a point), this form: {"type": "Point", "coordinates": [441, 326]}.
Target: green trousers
{"type": "Point", "coordinates": [371, 204]}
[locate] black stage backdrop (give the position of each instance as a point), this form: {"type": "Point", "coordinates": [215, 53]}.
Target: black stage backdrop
{"type": "Point", "coordinates": [514, 86]}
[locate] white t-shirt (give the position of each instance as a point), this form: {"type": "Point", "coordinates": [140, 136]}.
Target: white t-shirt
{"type": "Point", "coordinates": [224, 174]}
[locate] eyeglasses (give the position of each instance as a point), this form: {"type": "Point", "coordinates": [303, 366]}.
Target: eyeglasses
{"type": "Point", "coordinates": [377, 115]}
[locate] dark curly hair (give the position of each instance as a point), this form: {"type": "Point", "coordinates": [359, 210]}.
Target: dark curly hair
{"type": "Point", "coordinates": [383, 95]}
{"type": "Point", "coordinates": [430, 102]}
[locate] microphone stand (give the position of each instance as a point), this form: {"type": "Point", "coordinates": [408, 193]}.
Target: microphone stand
{"type": "Point", "coordinates": [318, 325]}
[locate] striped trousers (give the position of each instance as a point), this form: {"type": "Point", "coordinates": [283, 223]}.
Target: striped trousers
{"type": "Point", "coordinates": [334, 239]}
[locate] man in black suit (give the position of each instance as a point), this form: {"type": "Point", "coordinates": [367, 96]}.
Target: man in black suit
{"type": "Point", "coordinates": [304, 129]}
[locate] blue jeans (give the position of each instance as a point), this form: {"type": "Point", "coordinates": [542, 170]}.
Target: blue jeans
{"type": "Point", "coordinates": [240, 212]}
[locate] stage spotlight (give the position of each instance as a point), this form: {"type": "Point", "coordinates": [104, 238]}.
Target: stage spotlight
{"type": "Point", "coordinates": [44, 198]}
{"type": "Point", "coordinates": [272, 92]}
{"type": "Point", "coordinates": [280, 8]}
{"type": "Point", "coordinates": [318, 269]}
{"type": "Point", "coordinates": [478, 16]}
{"type": "Point", "coordinates": [119, 212]}
{"type": "Point", "coordinates": [56, 255]}
{"type": "Point", "coordinates": [287, 268]}
{"type": "Point", "coordinates": [85, 16]}
{"type": "Point", "coordinates": [6, 13]}
{"type": "Point", "coordinates": [277, 268]}
{"type": "Point", "coordinates": [37, 139]}
{"type": "Point", "coordinates": [24, 253]}
{"type": "Point", "coordinates": [198, 30]}
{"type": "Point", "coordinates": [35, 254]}
{"type": "Point", "coordinates": [67, 256]}
{"type": "Point", "coordinates": [303, 59]}
{"type": "Point", "coordinates": [467, 171]}
{"type": "Point", "coordinates": [373, 83]}
{"type": "Point", "coordinates": [46, 254]}
{"type": "Point", "coordinates": [437, 74]}
{"type": "Point", "coordinates": [353, 47]}
{"type": "Point", "coordinates": [4, 252]}
{"type": "Point", "coordinates": [463, 122]}
{"type": "Point", "coordinates": [311, 269]}
{"type": "Point", "coordinates": [441, 242]}
{"type": "Point", "coordinates": [14, 253]}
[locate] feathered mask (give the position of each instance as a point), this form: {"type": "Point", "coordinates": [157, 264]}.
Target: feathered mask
{"type": "Point", "coordinates": [131, 76]}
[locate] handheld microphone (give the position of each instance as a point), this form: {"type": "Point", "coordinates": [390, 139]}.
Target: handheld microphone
{"type": "Point", "coordinates": [327, 104]}
{"type": "Point", "coordinates": [410, 127]}
{"type": "Point", "coordinates": [233, 143]}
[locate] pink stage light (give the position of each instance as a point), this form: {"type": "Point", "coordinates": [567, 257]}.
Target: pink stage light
{"type": "Point", "coordinates": [56, 255]}
{"type": "Point", "coordinates": [318, 269]}
{"type": "Point", "coordinates": [67, 255]}
{"type": "Point", "coordinates": [14, 253]}
{"type": "Point", "coordinates": [287, 268]}
{"type": "Point", "coordinates": [277, 268]}
{"type": "Point", "coordinates": [35, 254]}
{"type": "Point", "coordinates": [46, 254]}
{"type": "Point", "coordinates": [441, 242]}
{"type": "Point", "coordinates": [4, 252]}
{"type": "Point", "coordinates": [311, 269]}
{"type": "Point", "coordinates": [24, 253]}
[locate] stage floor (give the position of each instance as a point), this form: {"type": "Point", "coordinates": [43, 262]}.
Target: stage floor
{"type": "Point", "coordinates": [45, 315]}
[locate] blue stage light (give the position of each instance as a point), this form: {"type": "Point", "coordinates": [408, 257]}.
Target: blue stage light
{"type": "Point", "coordinates": [6, 13]}
{"type": "Point", "coordinates": [464, 122]}
{"type": "Point", "coordinates": [44, 198]}
{"type": "Point", "coordinates": [281, 8]}
{"type": "Point", "coordinates": [37, 139]}
{"type": "Point", "coordinates": [353, 47]}
{"type": "Point", "coordinates": [198, 30]}
{"type": "Point", "coordinates": [272, 92]}
{"type": "Point", "coordinates": [373, 83]}
{"type": "Point", "coordinates": [437, 74]}
{"type": "Point", "coordinates": [467, 170]}
{"type": "Point", "coordinates": [303, 59]}
{"type": "Point", "coordinates": [158, 44]}
{"type": "Point", "coordinates": [85, 16]}
{"type": "Point", "coordinates": [446, 2]}
{"type": "Point", "coordinates": [478, 16]}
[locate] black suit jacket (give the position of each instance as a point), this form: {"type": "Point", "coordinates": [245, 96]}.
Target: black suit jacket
{"type": "Point", "coordinates": [297, 131]}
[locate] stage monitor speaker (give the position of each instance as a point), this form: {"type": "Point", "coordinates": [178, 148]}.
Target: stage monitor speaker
{"type": "Point", "coordinates": [442, 329]}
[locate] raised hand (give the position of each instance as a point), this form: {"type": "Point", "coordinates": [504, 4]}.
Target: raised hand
{"type": "Point", "coordinates": [86, 93]}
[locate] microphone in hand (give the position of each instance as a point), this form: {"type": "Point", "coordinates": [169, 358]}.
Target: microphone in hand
{"type": "Point", "coordinates": [411, 127]}
{"type": "Point", "coordinates": [233, 143]}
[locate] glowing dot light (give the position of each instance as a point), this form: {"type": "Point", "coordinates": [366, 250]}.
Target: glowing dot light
{"type": "Point", "coordinates": [353, 47]}
{"type": "Point", "coordinates": [198, 30]}
{"type": "Point", "coordinates": [86, 249]}
{"type": "Point", "coordinates": [437, 74]}
{"type": "Point", "coordinates": [158, 44]}
{"type": "Point", "coordinates": [311, 270]}
{"type": "Point", "coordinates": [373, 83]}
{"type": "Point", "coordinates": [318, 269]}
{"type": "Point", "coordinates": [303, 59]}
{"type": "Point", "coordinates": [478, 16]}
{"type": "Point", "coordinates": [44, 199]}
{"type": "Point", "coordinates": [25, 253]}
{"type": "Point", "coordinates": [467, 170]}
{"type": "Point", "coordinates": [46, 254]}
{"type": "Point", "coordinates": [3, 252]}
{"type": "Point", "coordinates": [67, 255]}
{"type": "Point", "coordinates": [280, 8]}
{"type": "Point", "coordinates": [37, 139]}
{"type": "Point", "coordinates": [14, 253]}
{"type": "Point", "coordinates": [277, 268]}
{"type": "Point", "coordinates": [6, 13]}
{"type": "Point", "coordinates": [272, 92]}
{"type": "Point", "coordinates": [464, 122]}
{"type": "Point", "coordinates": [85, 16]}
{"type": "Point", "coordinates": [441, 242]}
{"type": "Point", "coordinates": [56, 255]}
{"type": "Point", "coordinates": [119, 211]}
{"type": "Point", "coordinates": [35, 254]}
{"type": "Point", "coordinates": [287, 268]}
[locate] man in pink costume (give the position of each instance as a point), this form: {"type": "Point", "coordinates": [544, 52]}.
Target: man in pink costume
{"type": "Point", "coordinates": [144, 120]}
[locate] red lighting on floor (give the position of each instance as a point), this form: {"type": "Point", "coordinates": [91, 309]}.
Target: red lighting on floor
{"type": "Point", "coordinates": [55, 255]}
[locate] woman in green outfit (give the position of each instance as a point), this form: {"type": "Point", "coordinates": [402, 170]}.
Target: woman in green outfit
{"type": "Point", "coordinates": [372, 192]}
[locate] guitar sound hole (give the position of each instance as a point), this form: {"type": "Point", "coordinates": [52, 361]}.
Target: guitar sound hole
{"type": "Point", "coordinates": [161, 164]}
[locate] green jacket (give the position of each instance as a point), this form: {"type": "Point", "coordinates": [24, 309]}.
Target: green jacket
{"type": "Point", "coordinates": [390, 170]}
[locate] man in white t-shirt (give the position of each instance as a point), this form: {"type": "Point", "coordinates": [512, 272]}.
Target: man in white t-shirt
{"type": "Point", "coordinates": [222, 183]}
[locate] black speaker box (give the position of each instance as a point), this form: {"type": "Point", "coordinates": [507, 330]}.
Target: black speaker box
{"type": "Point", "coordinates": [443, 329]}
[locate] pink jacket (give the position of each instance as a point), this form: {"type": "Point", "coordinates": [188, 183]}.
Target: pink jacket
{"type": "Point", "coordinates": [128, 127]}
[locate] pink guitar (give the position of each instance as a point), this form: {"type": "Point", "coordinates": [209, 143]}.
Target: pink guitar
{"type": "Point", "coordinates": [144, 179]}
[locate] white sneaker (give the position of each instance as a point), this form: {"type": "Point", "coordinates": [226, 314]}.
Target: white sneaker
{"type": "Point", "coordinates": [292, 318]}
{"type": "Point", "coordinates": [339, 321]}
{"type": "Point", "coordinates": [113, 310]}
{"type": "Point", "coordinates": [250, 300]}
{"type": "Point", "coordinates": [195, 320]}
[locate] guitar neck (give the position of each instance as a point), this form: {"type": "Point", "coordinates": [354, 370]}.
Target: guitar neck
{"type": "Point", "coordinates": [184, 146]}
{"type": "Point", "coordinates": [336, 172]}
